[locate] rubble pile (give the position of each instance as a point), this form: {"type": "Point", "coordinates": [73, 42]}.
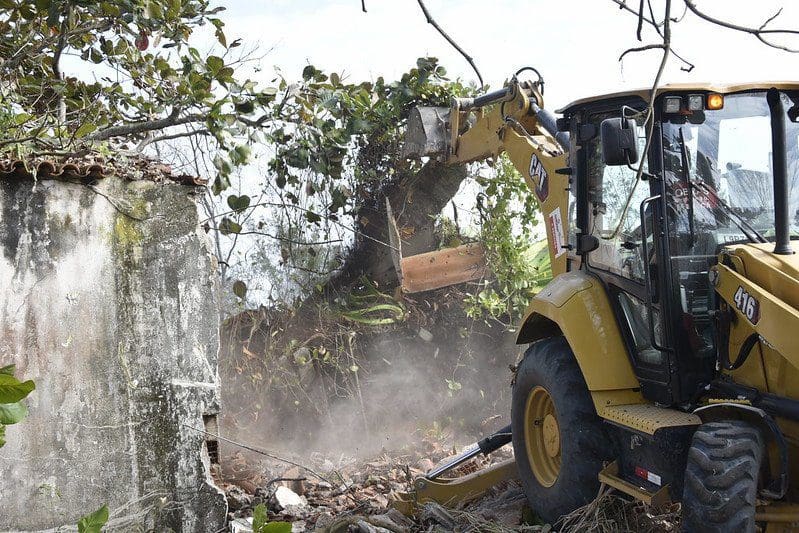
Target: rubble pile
{"type": "Point", "coordinates": [342, 494]}
{"type": "Point", "coordinates": [346, 495]}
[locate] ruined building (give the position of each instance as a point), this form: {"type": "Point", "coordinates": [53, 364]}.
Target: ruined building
{"type": "Point", "coordinates": [108, 302]}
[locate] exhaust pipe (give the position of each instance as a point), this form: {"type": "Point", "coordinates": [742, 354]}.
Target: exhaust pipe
{"type": "Point", "coordinates": [779, 158]}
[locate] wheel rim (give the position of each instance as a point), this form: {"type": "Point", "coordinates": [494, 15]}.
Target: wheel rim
{"type": "Point", "coordinates": [542, 436]}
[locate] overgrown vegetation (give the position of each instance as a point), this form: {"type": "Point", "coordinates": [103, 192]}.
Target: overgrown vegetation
{"type": "Point", "coordinates": [518, 258]}
{"type": "Point", "coordinates": [261, 523]}
{"type": "Point", "coordinates": [12, 393]}
{"type": "Point", "coordinates": [93, 522]}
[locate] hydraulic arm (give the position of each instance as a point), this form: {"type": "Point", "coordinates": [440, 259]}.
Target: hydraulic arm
{"type": "Point", "coordinates": [510, 120]}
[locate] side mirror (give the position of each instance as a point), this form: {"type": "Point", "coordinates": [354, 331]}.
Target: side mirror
{"type": "Point", "coordinates": [619, 141]}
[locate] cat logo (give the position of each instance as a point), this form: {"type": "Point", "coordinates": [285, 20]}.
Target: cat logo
{"type": "Point", "coordinates": [539, 176]}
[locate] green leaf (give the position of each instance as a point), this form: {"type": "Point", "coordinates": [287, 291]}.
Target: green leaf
{"type": "Point", "coordinates": [261, 524]}
{"type": "Point", "coordinates": [309, 72]}
{"type": "Point", "coordinates": [93, 523]}
{"type": "Point", "coordinates": [240, 289]}
{"type": "Point", "coordinates": [174, 8]}
{"type": "Point", "coordinates": [85, 129]}
{"type": "Point", "coordinates": [154, 10]}
{"type": "Point", "coordinates": [220, 36]}
{"type": "Point", "coordinates": [12, 413]}
{"type": "Point", "coordinates": [95, 56]}
{"type": "Point", "coordinates": [8, 370]}
{"type": "Point", "coordinates": [245, 108]}
{"type": "Point", "coordinates": [276, 527]}
{"type": "Point", "coordinates": [238, 203]}
{"type": "Point", "coordinates": [12, 390]}
{"type": "Point", "coordinates": [259, 518]}
{"type": "Point", "coordinates": [2, 435]}
{"type": "Point", "coordinates": [214, 64]}
{"type": "Point", "coordinates": [240, 154]}
{"type": "Point", "coordinates": [227, 226]}
{"type": "Point", "coordinates": [52, 14]}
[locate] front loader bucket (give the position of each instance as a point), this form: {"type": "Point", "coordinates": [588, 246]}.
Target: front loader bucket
{"type": "Point", "coordinates": [427, 133]}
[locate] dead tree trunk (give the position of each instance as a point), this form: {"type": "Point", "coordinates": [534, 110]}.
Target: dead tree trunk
{"type": "Point", "coordinates": [416, 200]}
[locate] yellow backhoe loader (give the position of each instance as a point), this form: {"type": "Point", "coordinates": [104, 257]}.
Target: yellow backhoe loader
{"type": "Point", "coordinates": [663, 357]}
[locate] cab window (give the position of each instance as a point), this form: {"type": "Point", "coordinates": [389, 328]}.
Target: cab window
{"type": "Point", "coordinates": [614, 196]}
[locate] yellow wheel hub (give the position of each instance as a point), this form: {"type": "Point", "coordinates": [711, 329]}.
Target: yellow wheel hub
{"type": "Point", "coordinates": [542, 436]}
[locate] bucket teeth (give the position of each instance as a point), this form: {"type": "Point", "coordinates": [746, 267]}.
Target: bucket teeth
{"type": "Point", "coordinates": [427, 133]}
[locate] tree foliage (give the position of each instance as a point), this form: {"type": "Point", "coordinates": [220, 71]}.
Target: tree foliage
{"type": "Point", "coordinates": [78, 73]}
{"type": "Point", "coordinates": [520, 265]}
{"type": "Point", "coordinates": [326, 147]}
{"type": "Point", "coordinates": [145, 75]}
{"type": "Point", "coordinates": [335, 147]}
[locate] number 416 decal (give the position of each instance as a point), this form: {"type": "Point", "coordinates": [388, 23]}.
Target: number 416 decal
{"type": "Point", "coordinates": [747, 304]}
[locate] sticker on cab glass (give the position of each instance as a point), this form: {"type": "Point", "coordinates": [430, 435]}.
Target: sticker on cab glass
{"type": "Point", "coordinates": [539, 176]}
{"type": "Point", "coordinates": [747, 305]}
{"type": "Point", "coordinates": [556, 230]}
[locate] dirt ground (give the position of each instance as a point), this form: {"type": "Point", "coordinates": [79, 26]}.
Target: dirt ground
{"type": "Point", "coordinates": [338, 494]}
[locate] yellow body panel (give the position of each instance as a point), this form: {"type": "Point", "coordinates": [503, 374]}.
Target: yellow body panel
{"type": "Point", "coordinates": [766, 368]}
{"type": "Point", "coordinates": [778, 321]}
{"type": "Point", "coordinates": [536, 155]}
{"type": "Point", "coordinates": [576, 305]}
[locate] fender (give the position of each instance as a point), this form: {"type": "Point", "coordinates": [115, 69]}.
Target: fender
{"type": "Point", "coordinates": [777, 448]}
{"type": "Point", "coordinates": [576, 306]}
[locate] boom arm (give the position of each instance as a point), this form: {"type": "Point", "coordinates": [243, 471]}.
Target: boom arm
{"type": "Point", "coordinates": [510, 120]}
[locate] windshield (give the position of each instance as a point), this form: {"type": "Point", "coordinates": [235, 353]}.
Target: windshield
{"type": "Point", "coordinates": [719, 190]}
{"type": "Point", "coordinates": [718, 172]}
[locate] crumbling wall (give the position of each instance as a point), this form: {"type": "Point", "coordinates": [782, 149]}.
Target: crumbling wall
{"type": "Point", "coordinates": [107, 301]}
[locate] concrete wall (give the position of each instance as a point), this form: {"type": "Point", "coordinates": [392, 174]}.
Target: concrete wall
{"type": "Point", "coordinates": [107, 301]}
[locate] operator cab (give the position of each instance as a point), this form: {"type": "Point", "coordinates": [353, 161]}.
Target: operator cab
{"type": "Point", "coordinates": [656, 201]}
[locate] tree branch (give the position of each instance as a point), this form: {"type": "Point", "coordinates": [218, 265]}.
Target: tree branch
{"type": "Point", "coordinates": [641, 49]}
{"type": "Point", "coordinates": [291, 241]}
{"type": "Point", "coordinates": [150, 140]}
{"type": "Point", "coordinates": [174, 119]}
{"type": "Point", "coordinates": [687, 67]}
{"type": "Point", "coordinates": [757, 32]}
{"type": "Point", "coordinates": [449, 39]}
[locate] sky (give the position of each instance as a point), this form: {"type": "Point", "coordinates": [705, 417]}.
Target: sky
{"type": "Point", "coordinates": [574, 43]}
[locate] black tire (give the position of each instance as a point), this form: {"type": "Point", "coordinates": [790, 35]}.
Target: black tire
{"type": "Point", "coordinates": [584, 442]}
{"type": "Point", "coordinates": [721, 478]}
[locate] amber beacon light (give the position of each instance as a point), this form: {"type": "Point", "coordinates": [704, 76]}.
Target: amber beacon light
{"type": "Point", "coordinates": [715, 101]}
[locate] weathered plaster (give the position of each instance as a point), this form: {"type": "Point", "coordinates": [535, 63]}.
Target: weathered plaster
{"type": "Point", "coordinates": [114, 317]}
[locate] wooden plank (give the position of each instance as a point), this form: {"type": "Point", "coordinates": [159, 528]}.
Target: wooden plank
{"type": "Point", "coordinates": [442, 268]}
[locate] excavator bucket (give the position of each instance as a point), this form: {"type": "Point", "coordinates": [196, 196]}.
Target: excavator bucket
{"type": "Point", "coordinates": [428, 133]}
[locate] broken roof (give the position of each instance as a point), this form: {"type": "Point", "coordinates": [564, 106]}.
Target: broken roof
{"type": "Point", "coordinates": [92, 167]}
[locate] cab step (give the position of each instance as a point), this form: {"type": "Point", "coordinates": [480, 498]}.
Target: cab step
{"type": "Point", "coordinates": [610, 476]}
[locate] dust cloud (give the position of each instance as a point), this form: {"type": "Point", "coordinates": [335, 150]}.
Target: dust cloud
{"type": "Point", "coordinates": [448, 381]}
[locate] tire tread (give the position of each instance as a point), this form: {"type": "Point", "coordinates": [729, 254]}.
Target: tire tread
{"type": "Point", "coordinates": [721, 478]}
